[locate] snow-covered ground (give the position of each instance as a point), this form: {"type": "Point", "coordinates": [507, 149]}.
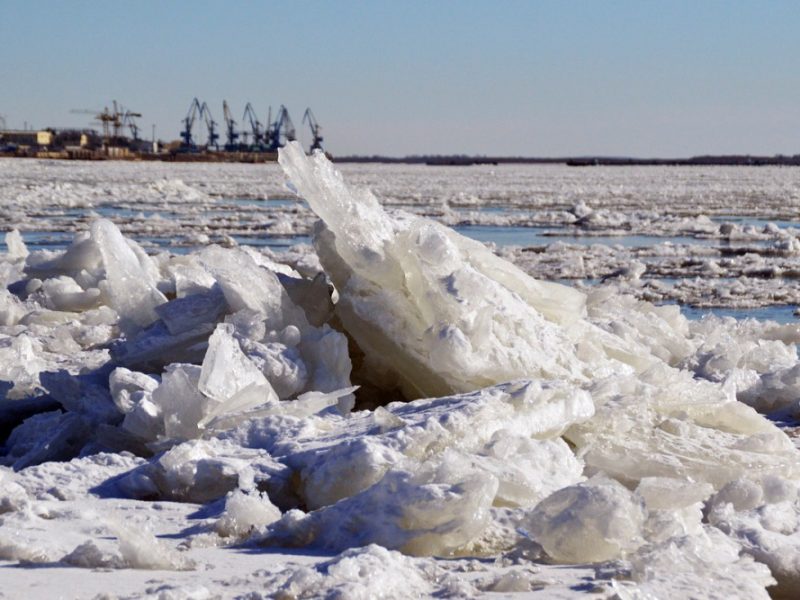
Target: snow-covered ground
{"type": "Point", "coordinates": [397, 411]}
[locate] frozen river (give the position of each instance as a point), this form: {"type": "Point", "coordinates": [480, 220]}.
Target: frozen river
{"type": "Point", "coordinates": [707, 238]}
{"type": "Point", "coordinates": [196, 402]}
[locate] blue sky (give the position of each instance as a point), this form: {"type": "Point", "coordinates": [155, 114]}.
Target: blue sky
{"type": "Point", "coordinates": [640, 78]}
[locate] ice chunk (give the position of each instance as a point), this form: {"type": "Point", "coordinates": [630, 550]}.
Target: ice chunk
{"type": "Point", "coordinates": [263, 312]}
{"type": "Point", "coordinates": [191, 397]}
{"type": "Point", "coordinates": [665, 423]}
{"type": "Point", "coordinates": [527, 470]}
{"type": "Point", "coordinates": [327, 359]}
{"type": "Point", "coordinates": [191, 311]}
{"type": "Point", "coordinates": [707, 565]}
{"type": "Point", "coordinates": [743, 494]}
{"type": "Point", "coordinates": [226, 369]}
{"type": "Point", "coordinates": [132, 394]}
{"type": "Point", "coordinates": [305, 405]}
{"type": "Point", "coordinates": [63, 293]}
{"type": "Point", "coordinates": [141, 550]}
{"type": "Point", "coordinates": [439, 310]}
{"type": "Point", "coordinates": [145, 420]}
{"type": "Point", "coordinates": [418, 514]}
{"type": "Point", "coordinates": [190, 278]}
{"type": "Point", "coordinates": [245, 284]}
{"type": "Point", "coordinates": [47, 436]}
{"type": "Point", "coordinates": [282, 366]}
{"type": "Point", "coordinates": [595, 521]}
{"type": "Point", "coordinates": [665, 493]}
{"type": "Point", "coordinates": [205, 470]}
{"type": "Point", "coordinates": [11, 309]}
{"type": "Point", "coordinates": [314, 402]}
{"type": "Point", "coordinates": [89, 555]}
{"type": "Point", "coordinates": [435, 313]}
{"type": "Point", "coordinates": [778, 389]}
{"type": "Point", "coordinates": [659, 330]}
{"type": "Point", "coordinates": [190, 472]}
{"type": "Point", "coordinates": [124, 383]}
{"type": "Point", "coordinates": [491, 424]}
{"type": "Point", "coordinates": [313, 295]}
{"type": "Point", "coordinates": [86, 394]}
{"type": "Point", "coordinates": [369, 572]}
{"type": "Point", "coordinates": [15, 244]}
{"type": "Point", "coordinates": [180, 402]}
{"type": "Point", "coordinates": [20, 363]}
{"type": "Point", "coordinates": [230, 379]}
{"type": "Point", "coordinates": [129, 280]}
{"type": "Point", "coordinates": [769, 532]}
{"type": "Point", "coordinates": [155, 347]}
{"type": "Point", "coordinates": [83, 255]}
{"type": "Point", "coordinates": [245, 513]}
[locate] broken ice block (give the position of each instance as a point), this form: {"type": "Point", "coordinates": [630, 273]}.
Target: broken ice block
{"type": "Point", "coordinates": [129, 282]}
{"type": "Point", "coordinates": [594, 521]}
{"type": "Point", "coordinates": [186, 313]}
{"type": "Point", "coordinates": [15, 244]}
{"type": "Point", "coordinates": [418, 514]}
{"type": "Point", "coordinates": [190, 397]}
{"type": "Point", "coordinates": [227, 371]}
{"type": "Point", "coordinates": [245, 284]}
{"type": "Point", "coordinates": [438, 310]}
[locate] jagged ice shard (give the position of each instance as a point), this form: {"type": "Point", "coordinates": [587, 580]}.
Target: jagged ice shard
{"type": "Point", "coordinates": [432, 307]}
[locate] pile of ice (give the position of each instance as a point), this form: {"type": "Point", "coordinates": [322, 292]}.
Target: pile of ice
{"type": "Point", "coordinates": [497, 415]}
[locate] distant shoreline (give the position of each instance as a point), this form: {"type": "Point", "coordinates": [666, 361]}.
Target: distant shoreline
{"type": "Point", "coordinates": [734, 160]}
{"type": "Point", "coordinates": [456, 160]}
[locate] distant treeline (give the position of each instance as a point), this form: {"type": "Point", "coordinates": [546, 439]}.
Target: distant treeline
{"type": "Point", "coordinates": [581, 161]}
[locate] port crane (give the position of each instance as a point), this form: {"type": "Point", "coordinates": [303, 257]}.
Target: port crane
{"type": "Point", "coordinates": [282, 130]}
{"type": "Point", "coordinates": [269, 133]}
{"type": "Point", "coordinates": [231, 134]}
{"type": "Point", "coordinates": [129, 119]}
{"type": "Point", "coordinates": [270, 137]}
{"type": "Point", "coordinates": [316, 143]}
{"type": "Point", "coordinates": [211, 127]}
{"type": "Point", "coordinates": [113, 121]}
{"type": "Point", "coordinates": [188, 123]}
{"type": "Point", "coordinates": [255, 126]}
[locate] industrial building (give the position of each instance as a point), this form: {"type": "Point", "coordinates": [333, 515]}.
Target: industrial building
{"type": "Point", "coordinates": [44, 143]}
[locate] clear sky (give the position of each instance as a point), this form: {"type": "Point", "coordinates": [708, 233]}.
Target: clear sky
{"type": "Point", "coordinates": [550, 78]}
